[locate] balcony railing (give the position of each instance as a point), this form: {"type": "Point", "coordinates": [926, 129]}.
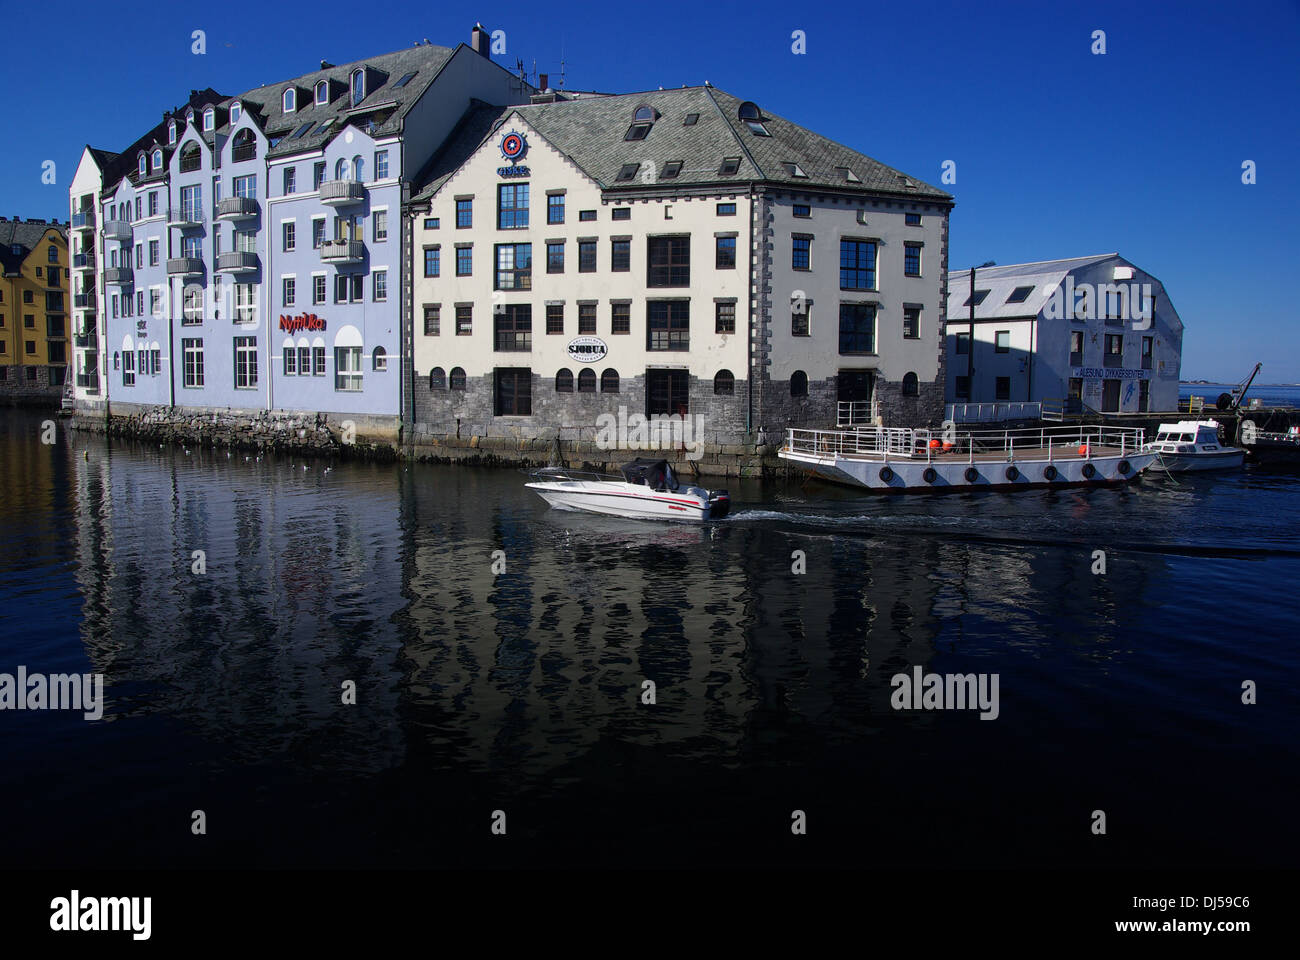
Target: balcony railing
{"type": "Point", "coordinates": [184, 266]}
{"type": "Point", "coordinates": [185, 216]}
{"type": "Point", "coordinates": [237, 208]}
{"type": "Point", "coordinates": [119, 275]}
{"type": "Point", "coordinates": [85, 220]}
{"type": "Point", "coordinates": [340, 192]}
{"type": "Point", "coordinates": [342, 251]}
{"type": "Point", "coordinates": [236, 261]}
{"type": "Point", "coordinates": [88, 381]}
{"type": "Point", "coordinates": [86, 341]}
{"type": "Point", "coordinates": [83, 261]}
{"type": "Point", "coordinates": [84, 301]}
{"type": "Point", "coordinates": [117, 229]}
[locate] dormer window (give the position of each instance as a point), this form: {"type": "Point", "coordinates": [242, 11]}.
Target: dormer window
{"type": "Point", "coordinates": [189, 115]}
{"type": "Point", "coordinates": [751, 117]}
{"type": "Point", "coordinates": [235, 111]}
{"type": "Point", "coordinates": [209, 120]}
{"type": "Point", "coordinates": [794, 170]}
{"type": "Point", "coordinates": [322, 92]}
{"type": "Point", "coordinates": [730, 165]}
{"type": "Point", "coordinates": [643, 119]}
{"type": "Point", "coordinates": [171, 132]}
{"type": "Point", "coordinates": [157, 159]}
{"type": "Point", "coordinates": [144, 165]}
{"type": "Point", "coordinates": [358, 85]}
{"type": "Point", "coordinates": [289, 101]}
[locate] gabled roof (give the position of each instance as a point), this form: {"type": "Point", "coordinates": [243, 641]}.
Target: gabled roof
{"type": "Point", "coordinates": [26, 234]}
{"type": "Point", "coordinates": [119, 165]}
{"type": "Point", "coordinates": [1043, 276]}
{"type": "Point", "coordinates": [475, 125]}
{"type": "Point", "coordinates": [591, 131]}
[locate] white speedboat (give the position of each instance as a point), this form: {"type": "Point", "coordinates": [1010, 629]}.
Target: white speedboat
{"type": "Point", "coordinates": [647, 490]}
{"type": "Point", "coordinates": [1192, 445]}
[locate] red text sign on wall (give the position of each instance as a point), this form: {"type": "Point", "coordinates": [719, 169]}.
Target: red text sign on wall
{"type": "Point", "coordinates": [303, 321]}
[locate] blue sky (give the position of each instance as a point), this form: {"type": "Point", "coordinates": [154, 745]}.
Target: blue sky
{"type": "Point", "coordinates": [1058, 152]}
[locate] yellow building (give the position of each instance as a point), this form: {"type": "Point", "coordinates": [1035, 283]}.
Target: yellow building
{"type": "Point", "coordinates": [33, 308]}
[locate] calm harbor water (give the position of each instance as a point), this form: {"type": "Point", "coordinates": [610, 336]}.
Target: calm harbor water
{"type": "Point", "coordinates": [521, 691]}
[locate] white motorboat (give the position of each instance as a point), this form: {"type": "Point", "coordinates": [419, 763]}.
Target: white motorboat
{"type": "Point", "coordinates": [1192, 445]}
{"type": "Point", "coordinates": [647, 490]}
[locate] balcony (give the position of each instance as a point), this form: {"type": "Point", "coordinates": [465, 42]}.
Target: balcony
{"type": "Point", "coordinates": [88, 382]}
{"type": "Point", "coordinates": [237, 208]}
{"type": "Point", "coordinates": [184, 266]}
{"type": "Point", "coordinates": [83, 261]}
{"type": "Point", "coordinates": [342, 251]}
{"type": "Point", "coordinates": [86, 341]}
{"type": "Point", "coordinates": [338, 193]}
{"type": "Point", "coordinates": [186, 218]}
{"type": "Point", "coordinates": [123, 276]}
{"type": "Point", "coordinates": [84, 301]}
{"type": "Point", "coordinates": [117, 229]}
{"type": "Point", "coordinates": [85, 220]}
{"type": "Point", "coordinates": [237, 261]}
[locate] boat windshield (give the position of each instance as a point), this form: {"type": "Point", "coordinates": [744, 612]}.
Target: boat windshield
{"type": "Point", "coordinates": [655, 474]}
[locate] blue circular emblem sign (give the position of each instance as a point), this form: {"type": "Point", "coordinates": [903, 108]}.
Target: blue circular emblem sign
{"type": "Point", "coordinates": [513, 145]}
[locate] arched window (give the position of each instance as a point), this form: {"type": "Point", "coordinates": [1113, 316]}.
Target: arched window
{"type": "Point", "coordinates": [749, 111]}
{"type": "Point", "coordinates": [358, 86]}
{"type": "Point", "coordinates": [643, 119]}
{"type": "Point", "coordinates": [191, 158]}
{"type": "Point", "coordinates": [724, 383]}
{"type": "Point", "coordinates": [587, 380]}
{"type": "Point", "coordinates": [643, 114]}
{"type": "Point", "coordinates": [245, 146]}
{"type": "Point", "coordinates": [609, 381]}
{"type": "Point", "coordinates": [157, 160]}
{"type": "Point", "coordinates": [799, 384]}
{"type": "Point", "coordinates": [144, 165]}
{"type": "Point", "coordinates": [358, 166]}
{"type": "Point", "coordinates": [910, 385]}
{"type": "Point", "coordinates": [171, 132]}
{"type": "Point", "coordinates": [457, 378]}
{"type": "Point", "coordinates": [289, 100]}
{"type": "Point", "coordinates": [437, 379]}
{"type": "Point", "coordinates": [322, 91]}
{"type": "Point", "coordinates": [189, 115]}
{"type": "Point", "coordinates": [341, 169]}
{"type": "Point", "coordinates": [379, 359]}
{"type": "Point", "coordinates": [564, 381]}
{"type": "Point", "coordinates": [209, 120]}
{"type": "Point", "coordinates": [236, 110]}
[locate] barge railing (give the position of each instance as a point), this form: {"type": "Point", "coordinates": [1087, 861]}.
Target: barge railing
{"type": "Point", "coordinates": [881, 443]}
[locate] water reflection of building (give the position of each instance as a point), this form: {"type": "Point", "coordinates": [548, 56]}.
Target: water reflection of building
{"type": "Point", "coordinates": [296, 598]}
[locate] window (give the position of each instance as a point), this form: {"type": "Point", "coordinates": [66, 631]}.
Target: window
{"type": "Point", "coordinates": [464, 261]}
{"type": "Point", "coordinates": [244, 148]}
{"type": "Point", "coordinates": [347, 369]}
{"type": "Point", "coordinates": [668, 325]}
{"type": "Point", "coordinates": [725, 318]}
{"type": "Point", "coordinates": [800, 315]}
{"type": "Point", "coordinates": [1147, 345]}
{"type": "Point", "coordinates": [379, 359]}
{"type": "Point", "coordinates": [857, 265]}
{"type": "Point", "coordinates": [620, 317]}
{"type": "Point", "coordinates": [586, 256]}
{"type": "Point", "coordinates": [1002, 341]}
{"type": "Point", "coordinates": [317, 289]}
{"type": "Point", "coordinates": [289, 290]}
{"type": "Point", "coordinates": [154, 253]}
{"type": "Point", "coordinates": [555, 256]}
{"type": "Point", "coordinates": [976, 298]}
{"type": "Point", "coordinates": [432, 319]}
{"type": "Point", "coordinates": [857, 328]}
{"type": "Point", "coordinates": [669, 262]}
{"type": "Point", "coordinates": [609, 381]}
{"type": "Point", "coordinates": [157, 160]}
{"type": "Point", "coordinates": [288, 235]}
{"type": "Point", "coordinates": [620, 255]}
{"type": "Point", "coordinates": [564, 380]}
{"type": "Point", "coordinates": [555, 318]}
{"type": "Point", "coordinates": [1076, 347]}
{"type": "Point", "coordinates": [288, 102]}
{"type": "Point", "coordinates": [794, 170]}
{"type": "Point", "coordinates": [318, 361]}
{"type": "Point", "coordinates": [380, 222]}
{"type": "Point", "coordinates": [691, 120]}
{"type": "Point", "coordinates": [245, 302]}
{"type": "Point", "coordinates": [304, 361]}
{"type": "Point", "coordinates": [586, 380]}
{"type": "Point", "coordinates": [31, 348]}
{"type": "Point", "coordinates": [464, 214]}
{"type": "Point", "coordinates": [671, 170]}
{"type": "Point", "coordinates": [1002, 388]}
{"type": "Point", "coordinates": [514, 392]}
{"type": "Point", "coordinates": [726, 253]}
{"type": "Point", "coordinates": [911, 386]}
{"type": "Point", "coordinates": [730, 166]}
{"type": "Point", "coordinates": [586, 319]}
{"type": "Point", "coordinates": [912, 259]}
{"type": "Point", "coordinates": [347, 288]}
{"type": "Point", "coordinates": [726, 209]}
{"type": "Point", "coordinates": [912, 219]}
{"type": "Point", "coordinates": [192, 304]}
{"type": "Point", "coordinates": [627, 171]}
{"type": "Point", "coordinates": [128, 368]}
{"type": "Point", "coordinates": [246, 186]}
{"type": "Point", "coordinates": [245, 241]}
{"type": "Point", "coordinates": [464, 324]}
{"type": "Point", "coordinates": [457, 379]}
{"type": "Point", "coordinates": [358, 85]}
{"type": "Point", "coordinates": [155, 302]}
{"type": "Point", "coordinates": [139, 212]}
{"type": "Point", "coordinates": [379, 286]}
{"type": "Point", "coordinates": [432, 223]}
{"type": "Point", "coordinates": [191, 158]}
{"type": "Point", "coordinates": [437, 379]}
{"type": "Point", "coordinates": [961, 389]}
{"type": "Point", "coordinates": [798, 384]}
{"type": "Point", "coordinates": [1114, 350]}
{"type": "Point", "coordinates": [512, 206]}
{"type": "Point", "coordinates": [963, 344]}
{"type": "Point", "coordinates": [290, 360]}
{"type": "Point", "coordinates": [514, 269]}
{"type": "Point", "coordinates": [322, 92]}
{"type": "Point", "coordinates": [911, 323]}
{"type": "Point", "coordinates": [381, 164]}
{"type": "Point", "coordinates": [555, 208]}
{"type": "Point", "coordinates": [192, 362]}
{"type": "Point", "coordinates": [802, 210]}
{"type": "Point", "coordinates": [317, 175]}
{"type": "Point", "coordinates": [153, 203]}
{"type": "Point", "coordinates": [585, 216]}
{"type": "Point", "coordinates": [724, 383]}
{"type": "Point", "coordinates": [171, 132]}
{"type": "Point", "coordinates": [245, 361]}
{"type": "Point", "coordinates": [514, 328]}
{"type": "Point", "coordinates": [1020, 294]}
{"type": "Point", "coordinates": [432, 261]}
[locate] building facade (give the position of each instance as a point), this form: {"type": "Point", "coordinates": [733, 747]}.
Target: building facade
{"type": "Point", "coordinates": [675, 252]}
{"type": "Point", "coordinates": [33, 309]}
{"type": "Point", "coordinates": [1089, 334]}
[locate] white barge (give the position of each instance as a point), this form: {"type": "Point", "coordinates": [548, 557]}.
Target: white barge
{"type": "Point", "coordinates": [901, 460]}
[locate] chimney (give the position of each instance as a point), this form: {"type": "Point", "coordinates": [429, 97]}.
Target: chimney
{"type": "Point", "coordinates": [543, 81]}
{"type": "Point", "coordinates": [480, 41]}
{"type": "Point", "coordinates": [325, 64]}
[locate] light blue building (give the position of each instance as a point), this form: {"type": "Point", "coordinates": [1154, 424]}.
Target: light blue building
{"type": "Point", "coordinates": [252, 246]}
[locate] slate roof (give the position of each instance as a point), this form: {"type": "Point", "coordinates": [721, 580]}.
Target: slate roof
{"type": "Point", "coordinates": [1044, 276]}
{"type": "Point", "coordinates": [26, 234]}
{"type": "Point", "coordinates": [591, 131]}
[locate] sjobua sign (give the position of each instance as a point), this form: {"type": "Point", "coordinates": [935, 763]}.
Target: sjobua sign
{"type": "Point", "coordinates": [587, 349]}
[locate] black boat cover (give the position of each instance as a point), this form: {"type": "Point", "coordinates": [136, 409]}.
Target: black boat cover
{"type": "Point", "coordinates": [655, 474]}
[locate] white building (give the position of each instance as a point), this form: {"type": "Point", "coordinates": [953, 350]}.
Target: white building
{"type": "Point", "coordinates": [1087, 333]}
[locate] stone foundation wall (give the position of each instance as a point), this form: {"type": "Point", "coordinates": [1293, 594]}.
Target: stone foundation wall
{"type": "Point", "coordinates": [16, 389]}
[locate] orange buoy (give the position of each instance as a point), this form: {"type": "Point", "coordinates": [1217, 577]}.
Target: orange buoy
{"type": "Point", "coordinates": [934, 444]}
{"type": "Point", "coordinates": [1083, 449]}
{"type": "Point", "coordinates": [947, 446]}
